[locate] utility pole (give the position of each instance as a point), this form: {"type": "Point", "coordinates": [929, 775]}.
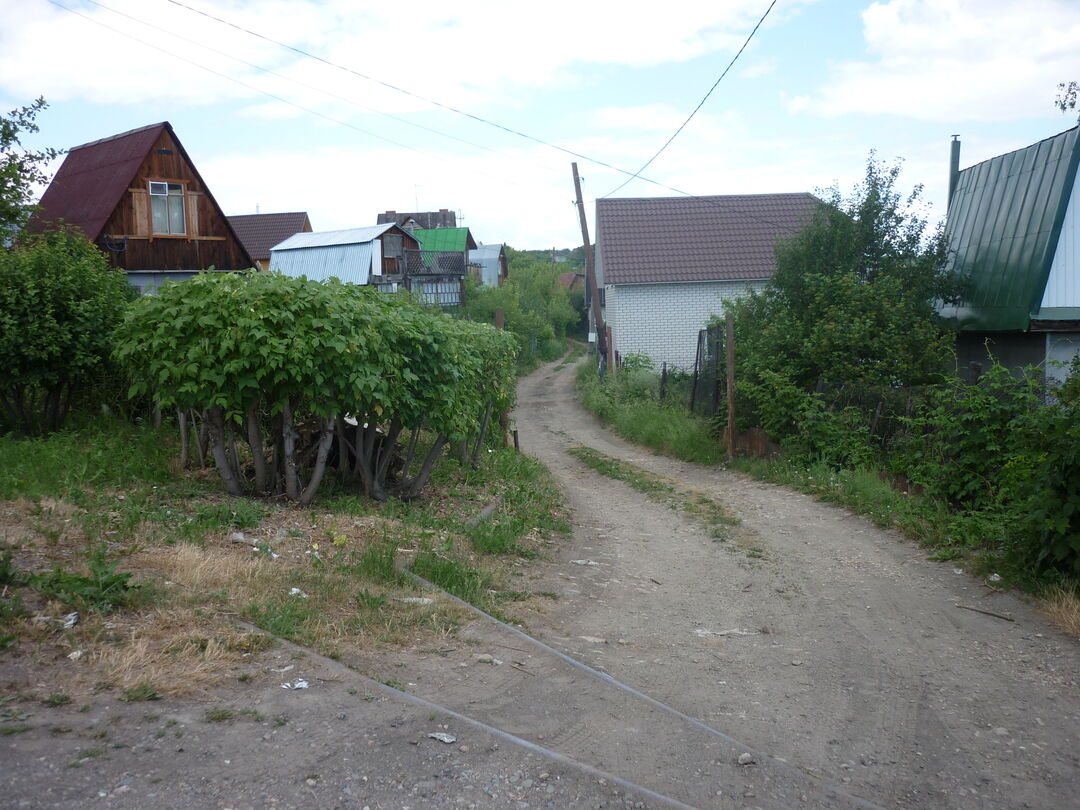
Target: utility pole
{"type": "Point", "coordinates": [590, 272]}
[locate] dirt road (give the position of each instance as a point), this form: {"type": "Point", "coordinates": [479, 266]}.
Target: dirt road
{"type": "Point", "coordinates": [859, 667]}
{"type": "Point", "coordinates": [810, 661]}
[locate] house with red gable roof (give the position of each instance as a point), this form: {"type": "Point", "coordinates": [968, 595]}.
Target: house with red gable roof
{"type": "Point", "coordinates": [139, 197]}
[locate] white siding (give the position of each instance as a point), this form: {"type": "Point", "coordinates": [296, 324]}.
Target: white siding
{"type": "Point", "coordinates": [1061, 348]}
{"type": "Point", "coordinates": [1063, 286]}
{"type": "Point", "coordinates": [663, 320]}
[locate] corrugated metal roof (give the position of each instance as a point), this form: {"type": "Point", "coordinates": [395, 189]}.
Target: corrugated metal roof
{"type": "Point", "coordinates": [1003, 226]}
{"type": "Point", "coordinates": [93, 178]}
{"type": "Point", "coordinates": [349, 236]}
{"type": "Point", "coordinates": [445, 238]}
{"type": "Point", "coordinates": [260, 232]}
{"type": "Point", "coordinates": [648, 240]}
{"type": "Point", "coordinates": [350, 262]}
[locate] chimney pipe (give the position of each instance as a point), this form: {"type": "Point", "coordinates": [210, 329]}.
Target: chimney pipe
{"type": "Point", "coordinates": [954, 167]}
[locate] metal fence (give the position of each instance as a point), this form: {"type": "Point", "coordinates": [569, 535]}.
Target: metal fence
{"type": "Point", "coordinates": [707, 387]}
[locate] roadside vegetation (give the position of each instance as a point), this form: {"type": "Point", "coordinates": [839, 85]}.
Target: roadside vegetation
{"type": "Point", "coordinates": [841, 361]}
{"type": "Point", "coordinates": [537, 310]}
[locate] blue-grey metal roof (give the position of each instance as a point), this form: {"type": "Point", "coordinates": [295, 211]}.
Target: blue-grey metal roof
{"type": "Point", "coordinates": [349, 236]}
{"type": "Point", "coordinates": [350, 262]}
{"type": "Point", "coordinates": [487, 258]}
{"type": "Point", "coordinates": [1003, 226]}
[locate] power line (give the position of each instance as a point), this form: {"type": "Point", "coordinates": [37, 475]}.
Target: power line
{"type": "Point", "coordinates": [271, 72]}
{"type": "Point", "coordinates": [355, 128]}
{"type": "Point", "coordinates": [235, 80]}
{"type": "Point", "coordinates": [466, 114]}
{"type": "Point", "coordinates": [701, 103]}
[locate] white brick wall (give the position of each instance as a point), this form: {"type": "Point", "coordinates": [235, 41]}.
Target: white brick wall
{"type": "Point", "coordinates": [663, 320]}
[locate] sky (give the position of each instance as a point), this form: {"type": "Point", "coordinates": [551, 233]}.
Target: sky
{"type": "Point", "coordinates": [347, 108]}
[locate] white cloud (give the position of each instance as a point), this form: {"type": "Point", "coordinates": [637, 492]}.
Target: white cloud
{"type": "Point", "coordinates": [953, 60]}
{"type": "Point", "coordinates": [465, 54]}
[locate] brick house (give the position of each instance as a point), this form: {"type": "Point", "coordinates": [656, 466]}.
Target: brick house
{"type": "Point", "coordinates": [665, 265]}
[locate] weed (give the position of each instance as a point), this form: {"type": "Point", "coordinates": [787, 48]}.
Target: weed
{"type": "Point", "coordinates": [103, 590]}
{"type": "Point", "coordinates": [280, 720]}
{"type": "Point", "coordinates": [284, 620]}
{"type": "Point", "coordinates": [369, 600]}
{"type": "Point", "coordinates": [57, 699]}
{"type": "Point", "coordinates": [465, 583]}
{"type": "Point", "coordinates": [141, 691]}
{"type": "Point", "coordinates": [218, 715]}
{"type": "Point", "coordinates": [8, 731]}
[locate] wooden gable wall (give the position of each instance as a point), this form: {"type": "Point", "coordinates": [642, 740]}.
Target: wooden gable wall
{"type": "Point", "coordinates": [129, 238]}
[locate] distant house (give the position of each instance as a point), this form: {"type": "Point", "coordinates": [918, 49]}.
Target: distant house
{"type": "Point", "coordinates": [139, 197]}
{"type": "Point", "coordinates": [443, 218]}
{"type": "Point", "coordinates": [1014, 238]}
{"type": "Point", "coordinates": [386, 256]}
{"type": "Point", "coordinates": [260, 232]}
{"type": "Point", "coordinates": [488, 264]}
{"type": "Point", "coordinates": [665, 265]}
{"type": "Point", "coordinates": [572, 282]}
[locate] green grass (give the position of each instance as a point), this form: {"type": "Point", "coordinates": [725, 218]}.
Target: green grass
{"type": "Point", "coordinates": [142, 691]}
{"type": "Point", "coordinates": [692, 503]}
{"type": "Point", "coordinates": [628, 403]}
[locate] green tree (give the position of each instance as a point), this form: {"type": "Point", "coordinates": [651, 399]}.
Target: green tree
{"type": "Point", "coordinates": [20, 168]}
{"type": "Point", "coordinates": [1067, 96]}
{"type": "Point", "coordinates": [854, 295]}
{"type": "Point", "coordinates": [60, 303]}
{"type": "Point", "coordinates": [853, 299]}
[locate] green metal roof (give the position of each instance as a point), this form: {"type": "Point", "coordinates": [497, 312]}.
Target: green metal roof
{"type": "Point", "coordinates": [1003, 227]}
{"type": "Point", "coordinates": [458, 239]}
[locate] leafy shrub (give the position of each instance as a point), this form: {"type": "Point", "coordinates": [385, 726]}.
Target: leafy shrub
{"type": "Point", "coordinates": [60, 302]}
{"type": "Point", "coordinates": [103, 590]}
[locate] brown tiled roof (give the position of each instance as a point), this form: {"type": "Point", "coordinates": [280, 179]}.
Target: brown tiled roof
{"type": "Point", "coordinates": [647, 240]}
{"type": "Point", "coordinates": [94, 176]}
{"type": "Point", "coordinates": [260, 232]}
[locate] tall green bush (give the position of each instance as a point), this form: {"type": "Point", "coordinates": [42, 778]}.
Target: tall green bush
{"type": "Point", "coordinates": [60, 303]}
{"type": "Point", "coordinates": [288, 366]}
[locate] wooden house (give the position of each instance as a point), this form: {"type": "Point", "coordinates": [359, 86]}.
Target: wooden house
{"type": "Point", "coordinates": [139, 197]}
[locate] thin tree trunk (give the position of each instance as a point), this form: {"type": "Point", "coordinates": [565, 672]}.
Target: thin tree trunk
{"type": "Point", "coordinates": [411, 451]}
{"type": "Point", "coordinates": [230, 431]}
{"type": "Point", "coordinates": [413, 487]}
{"type": "Point", "coordinates": [288, 436]}
{"type": "Point", "coordinates": [386, 454]}
{"type": "Point", "coordinates": [343, 447]}
{"type": "Point", "coordinates": [181, 420]}
{"type": "Point", "coordinates": [202, 444]}
{"type": "Point", "coordinates": [255, 442]}
{"type": "Point", "coordinates": [220, 451]}
{"type": "Point", "coordinates": [325, 440]}
{"type": "Point", "coordinates": [483, 432]}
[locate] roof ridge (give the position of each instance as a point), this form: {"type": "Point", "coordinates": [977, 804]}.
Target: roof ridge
{"type": "Point", "coordinates": [120, 135]}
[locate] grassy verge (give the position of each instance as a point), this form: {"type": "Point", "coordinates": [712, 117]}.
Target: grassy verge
{"type": "Point", "coordinates": [159, 562]}
{"type": "Point", "coordinates": [693, 504]}
{"type": "Point", "coordinates": [628, 402]}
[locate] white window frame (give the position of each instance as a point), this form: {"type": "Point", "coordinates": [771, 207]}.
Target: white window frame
{"type": "Point", "coordinates": [166, 191]}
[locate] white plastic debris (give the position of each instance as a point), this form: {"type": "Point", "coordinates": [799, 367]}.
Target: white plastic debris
{"type": "Point", "coordinates": [283, 669]}
{"type": "Point", "coordinates": [297, 592]}
{"type": "Point", "coordinates": [415, 600]}
{"type": "Point", "coordinates": [299, 683]}
{"type": "Point", "coordinates": [593, 639]}
{"type": "Point", "coordinates": [75, 655]}
{"type": "Point", "coordinates": [71, 620]}
{"type": "Point", "coordinates": [584, 562]}
{"type": "Point", "coordinates": [443, 737]}
{"type": "Point", "coordinates": [994, 578]}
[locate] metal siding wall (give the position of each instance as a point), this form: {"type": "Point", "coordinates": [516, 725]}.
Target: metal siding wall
{"type": "Point", "coordinates": [1061, 348]}
{"type": "Point", "coordinates": [1063, 285]}
{"type": "Point", "coordinates": [350, 263]}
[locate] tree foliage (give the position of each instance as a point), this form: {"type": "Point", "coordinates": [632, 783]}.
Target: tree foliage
{"type": "Point", "coordinates": [60, 303]}
{"type": "Point", "coordinates": [852, 300]}
{"type": "Point", "coordinates": [20, 168]}
{"type": "Point", "coordinates": [290, 366]}
{"type": "Point", "coordinates": [536, 309]}
{"type": "Point", "coordinates": [1067, 96]}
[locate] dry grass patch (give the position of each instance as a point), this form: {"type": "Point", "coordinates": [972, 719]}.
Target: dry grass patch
{"type": "Point", "coordinates": [1062, 607]}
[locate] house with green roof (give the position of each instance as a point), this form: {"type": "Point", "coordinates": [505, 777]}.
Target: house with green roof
{"type": "Point", "coordinates": [1013, 226]}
